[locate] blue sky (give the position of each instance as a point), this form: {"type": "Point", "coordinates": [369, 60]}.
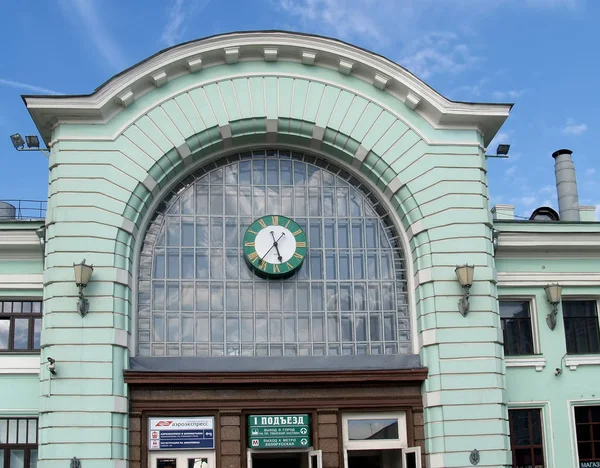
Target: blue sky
{"type": "Point", "coordinates": [540, 54]}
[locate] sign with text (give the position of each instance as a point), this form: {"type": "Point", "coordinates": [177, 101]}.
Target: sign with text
{"type": "Point", "coordinates": [279, 431]}
{"type": "Point", "coordinates": [181, 433]}
{"type": "Point", "coordinates": [589, 464]}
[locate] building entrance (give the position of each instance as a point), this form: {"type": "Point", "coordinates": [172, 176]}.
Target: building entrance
{"type": "Point", "coordinates": [279, 460]}
{"type": "Point", "coordinates": [406, 458]}
{"type": "Point", "coordinates": [285, 459]}
{"type": "Point", "coordinates": [182, 459]}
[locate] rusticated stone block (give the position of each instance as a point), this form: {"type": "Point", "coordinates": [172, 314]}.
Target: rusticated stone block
{"type": "Point", "coordinates": [230, 448]}
{"type": "Point", "coordinates": [327, 418]}
{"type": "Point", "coordinates": [135, 454]}
{"type": "Point", "coordinates": [230, 421]}
{"type": "Point", "coordinates": [329, 445]}
{"type": "Point", "coordinates": [134, 439]}
{"type": "Point", "coordinates": [331, 460]}
{"type": "Point", "coordinates": [135, 424]}
{"type": "Point", "coordinates": [230, 433]}
{"type": "Point", "coordinates": [228, 461]}
{"type": "Point", "coordinates": [328, 430]}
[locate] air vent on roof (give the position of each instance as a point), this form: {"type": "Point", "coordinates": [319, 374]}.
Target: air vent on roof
{"type": "Point", "coordinates": [7, 211]}
{"type": "Point", "coordinates": [544, 213]}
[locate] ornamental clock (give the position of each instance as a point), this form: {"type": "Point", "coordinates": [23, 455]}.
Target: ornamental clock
{"type": "Point", "coordinates": [274, 246]}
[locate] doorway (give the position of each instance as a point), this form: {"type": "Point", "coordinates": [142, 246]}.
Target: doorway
{"type": "Point", "coordinates": [285, 458]}
{"type": "Point", "coordinates": [278, 460]}
{"type": "Point", "coordinates": [182, 459]}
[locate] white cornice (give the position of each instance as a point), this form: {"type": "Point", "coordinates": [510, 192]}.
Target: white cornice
{"type": "Point", "coordinates": [102, 105]}
{"type": "Point", "coordinates": [18, 238]}
{"type": "Point", "coordinates": [538, 362]}
{"type": "Point", "coordinates": [20, 364]}
{"type": "Point", "coordinates": [574, 361]}
{"type": "Point", "coordinates": [524, 278]}
{"type": "Point", "coordinates": [24, 281]}
{"type": "Point", "coordinates": [548, 241]}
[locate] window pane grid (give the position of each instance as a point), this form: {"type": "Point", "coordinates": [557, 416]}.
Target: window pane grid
{"type": "Point", "coordinates": [526, 441]}
{"type": "Point", "coordinates": [581, 327]}
{"type": "Point", "coordinates": [587, 425]}
{"type": "Point", "coordinates": [350, 273]}
{"type": "Point", "coordinates": [20, 325]}
{"type": "Point", "coordinates": [516, 327]}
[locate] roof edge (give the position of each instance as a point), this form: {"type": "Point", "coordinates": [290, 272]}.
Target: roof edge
{"type": "Point", "coordinates": [309, 49]}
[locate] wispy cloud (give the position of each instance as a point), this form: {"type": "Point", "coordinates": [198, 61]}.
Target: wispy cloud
{"type": "Point", "coordinates": [590, 171]}
{"type": "Point", "coordinates": [499, 139]}
{"type": "Point", "coordinates": [438, 53]}
{"type": "Point", "coordinates": [345, 19]}
{"type": "Point", "coordinates": [28, 87]}
{"type": "Point", "coordinates": [508, 173]}
{"type": "Point", "coordinates": [573, 128]}
{"type": "Point", "coordinates": [511, 94]}
{"type": "Point", "coordinates": [84, 13]}
{"type": "Point", "coordinates": [179, 11]}
{"type": "Point", "coordinates": [384, 24]}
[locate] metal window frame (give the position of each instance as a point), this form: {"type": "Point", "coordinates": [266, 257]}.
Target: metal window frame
{"type": "Point", "coordinates": [12, 316]}
{"type": "Point", "coordinates": [577, 298]}
{"type": "Point", "coordinates": [530, 447]}
{"type": "Point", "coordinates": [307, 160]}
{"type": "Point", "coordinates": [533, 318]}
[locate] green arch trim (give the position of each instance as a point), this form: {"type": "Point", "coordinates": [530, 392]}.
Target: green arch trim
{"type": "Point", "coordinates": [172, 167]}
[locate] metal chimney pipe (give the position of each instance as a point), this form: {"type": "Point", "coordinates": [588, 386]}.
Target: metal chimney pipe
{"type": "Point", "coordinates": [566, 185]}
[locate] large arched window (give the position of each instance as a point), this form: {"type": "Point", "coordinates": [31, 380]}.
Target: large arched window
{"type": "Point", "coordinates": [197, 296]}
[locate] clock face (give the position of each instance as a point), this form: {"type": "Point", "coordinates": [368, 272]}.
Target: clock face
{"type": "Point", "coordinates": [274, 246]}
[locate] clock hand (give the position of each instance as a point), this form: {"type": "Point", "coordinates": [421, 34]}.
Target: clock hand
{"type": "Point", "coordinates": [276, 245]}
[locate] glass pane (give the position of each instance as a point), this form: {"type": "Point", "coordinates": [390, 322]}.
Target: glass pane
{"type": "Point", "coordinates": [22, 439]}
{"type": "Point", "coordinates": [17, 459]}
{"type": "Point", "coordinates": [202, 232]}
{"type": "Point", "coordinates": [321, 310]}
{"type": "Point", "coordinates": [173, 231]}
{"type": "Point", "coordinates": [371, 429]}
{"type": "Point", "coordinates": [187, 232]}
{"type": "Point", "coordinates": [3, 430]}
{"type": "Point", "coordinates": [187, 264]}
{"type": "Point", "coordinates": [4, 333]}
{"type": "Point", "coordinates": [12, 431]}
{"type": "Point", "coordinates": [33, 459]}
{"type": "Point", "coordinates": [173, 263]}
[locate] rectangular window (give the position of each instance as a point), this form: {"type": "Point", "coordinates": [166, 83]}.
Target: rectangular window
{"type": "Point", "coordinates": [18, 442]}
{"type": "Point", "coordinates": [516, 327]}
{"type": "Point", "coordinates": [526, 438]}
{"type": "Point", "coordinates": [581, 326]}
{"type": "Point", "coordinates": [20, 325]}
{"type": "Point", "coordinates": [587, 427]}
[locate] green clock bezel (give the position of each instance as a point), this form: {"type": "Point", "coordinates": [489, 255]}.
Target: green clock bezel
{"type": "Point", "coordinates": [273, 270]}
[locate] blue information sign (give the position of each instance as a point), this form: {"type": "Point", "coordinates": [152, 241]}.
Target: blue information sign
{"type": "Point", "coordinates": [181, 433]}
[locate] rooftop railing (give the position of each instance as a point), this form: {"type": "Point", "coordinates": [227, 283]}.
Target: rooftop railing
{"type": "Point", "coordinates": [22, 209]}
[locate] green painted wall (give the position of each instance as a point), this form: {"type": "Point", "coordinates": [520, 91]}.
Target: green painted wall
{"type": "Point", "coordinates": [566, 263]}
{"type": "Point", "coordinates": [19, 394]}
{"type": "Point", "coordinates": [104, 178]}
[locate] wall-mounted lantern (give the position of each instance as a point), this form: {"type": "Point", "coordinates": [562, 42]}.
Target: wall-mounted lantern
{"type": "Point", "coordinates": [464, 274]}
{"type": "Point", "coordinates": [83, 272]}
{"type": "Point", "coordinates": [553, 294]}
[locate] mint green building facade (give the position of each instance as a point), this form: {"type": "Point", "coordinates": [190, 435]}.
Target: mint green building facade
{"type": "Point", "coordinates": [122, 157]}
